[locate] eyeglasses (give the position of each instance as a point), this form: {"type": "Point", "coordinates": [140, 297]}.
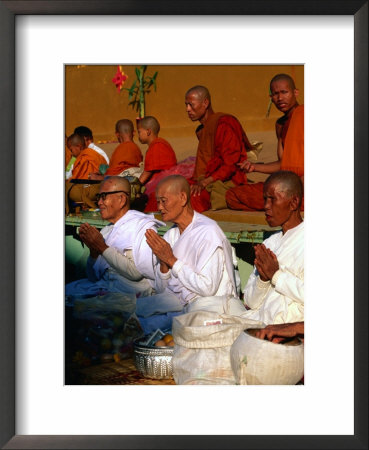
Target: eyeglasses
{"type": "Point", "coordinates": [103, 195]}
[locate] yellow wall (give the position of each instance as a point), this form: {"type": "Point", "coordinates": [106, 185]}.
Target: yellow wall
{"type": "Point", "coordinates": [92, 99]}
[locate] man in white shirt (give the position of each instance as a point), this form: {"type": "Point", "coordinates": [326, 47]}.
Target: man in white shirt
{"type": "Point", "coordinates": [120, 259]}
{"type": "Point", "coordinates": [194, 256]}
{"type": "Point", "coordinates": [275, 290]}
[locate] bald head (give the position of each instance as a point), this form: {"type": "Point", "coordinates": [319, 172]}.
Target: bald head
{"type": "Point", "coordinates": [283, 77]}
{"type": "Point", "coordinates": [175, 184]}
{"type": "Point", "coordinates": [124, 126]}
{"type": "Point", "coordinates": [150, 123]}
{"type": "Point", "coordinates": [200, 91]}
{"type": "Point", "coordinates": [116, 184]}
{"type": "Point", "coordinates": [76, 140]}
{"type": "Point", "coordinates": [288, 182]}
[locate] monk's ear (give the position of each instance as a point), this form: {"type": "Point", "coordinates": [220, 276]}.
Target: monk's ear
{"type": "Point", "coordinates": [183, 198]}
{"type": "Point", "coordinates": [296, 92]}
{"type": "Point", "coordinates": [206, 102]}
{"type": "Point", "coordinates": [294, 203]}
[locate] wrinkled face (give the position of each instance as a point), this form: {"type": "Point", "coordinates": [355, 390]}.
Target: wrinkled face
{"type": "Point", "coordinates": [283, 96]}
{"type": "Point", "coordinates": [75, 149]}
{"type": "Point", "coordinates": [143, 135]}
{"type": "Point", "coordinates": [277, 205]}
{"type": "Point", "coordinates": [111, 207]}
{"type": "Point", "coordinates": [169, 203]}
{"type": "Point", "coordinates": [195, 107]}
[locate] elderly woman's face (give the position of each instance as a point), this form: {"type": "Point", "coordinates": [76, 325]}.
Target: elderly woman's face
{"type": "Point", "coordinates": [169, 203]}
{"type": "Point", "coordinates": [277, 205]}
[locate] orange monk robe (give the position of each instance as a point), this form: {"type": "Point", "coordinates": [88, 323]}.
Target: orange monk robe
{"type": "Point", "coordinates": [126, 155]}
{"type": "Point", "coordinates": [222, 144]}
{"type": "Point", "coordinates": [88, 161]}
{"type": "Point", "coordinates": [159, 156]}
{"type": "Point", "coordinates": [249, 197]}
{"type": "Point", "coordinates": [68, 156]}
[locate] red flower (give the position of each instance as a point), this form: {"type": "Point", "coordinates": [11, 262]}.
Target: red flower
{"type": "Point", "coordinates": [119, 78]}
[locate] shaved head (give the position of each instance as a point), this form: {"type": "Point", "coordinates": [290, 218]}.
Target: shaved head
{"type": "Point", "coordinates": [288, 182]}
{"type": "Point", "coordinates": [76, 139]}
{"type": "Point", "coordinates": [200, 91]}
{"type": "Point", "coordinates": [175, 184]}
{"type": "Point", "coordinates": [150, 122]}
{"type": "Point", "coordinates": [283, 77]}
{"type": "Point", "coordinates": [124, 126]}
{"type": "Point", "coordinates": [116, 184]}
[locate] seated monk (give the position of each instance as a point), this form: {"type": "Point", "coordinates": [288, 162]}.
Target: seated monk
{"type": "Point", "coordinates": [159, 156]}
{"type": "Point", "coordinates": [194, 259]}
{"type": "Point", "coordinates": [126, 155]}
{"type": "Point", "coordinates": [86, 133]}
{"type": "Point", "coordinates": [87, 160]}
{"type": "Point", "coordinates": [275, 289]}
{"type": "Point", "coordinates": [290, 147]}
{"type": "Point", "coordinates": [120, 259]}
{"type": "Point", "coordinates": [222, 145]}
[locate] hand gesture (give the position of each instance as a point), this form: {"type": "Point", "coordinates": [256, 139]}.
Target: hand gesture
{"type": "Point", "coordinates": [200, 185]}
{"type": "Point", "coordinates": [246, 166]}
{"type": "Point", "coordinates": [92, 237]}
{"type": "Point", "coordinates": [161, 249]}
{"type": "Point", "coordinates": [266, 262]}
{"type": "Point", "coordinates": [196, 189]}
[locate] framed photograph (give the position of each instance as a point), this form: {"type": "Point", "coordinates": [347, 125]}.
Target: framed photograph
{"type": "Point", "coordinates": [330, 39]}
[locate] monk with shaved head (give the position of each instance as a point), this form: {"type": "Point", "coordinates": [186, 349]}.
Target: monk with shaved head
{"type": "Point", "coordinates": [120, 259]}
{"type": "Point", "coordinates": [275, 289]}
{"type": "Point", "coordinates": [290, 145]}
{"type": "Point", "coordinates": [86, 133]}
{"type": "Point", "coordinates": [222, 146]}
{"type": "Point", "coordinates": [126, 155]}
{"type": "Point", "coordinates": [87, 160]}
{"type": "Point", "coordinates": [159, 155]}
{"type": "Point", "coordinates": [194, 256]}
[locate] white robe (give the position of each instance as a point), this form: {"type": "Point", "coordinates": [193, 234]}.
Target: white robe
{"type": "Point", "coordinates": [204, 265]}
{"type": "Point", "coordinates": [127, 265]}
{"type": "Point", "coordinates": [100, 151]}
{"type": "Point", "coordinates": [280, 300]}
{"type": "Point", "coordinates": [128, 234]}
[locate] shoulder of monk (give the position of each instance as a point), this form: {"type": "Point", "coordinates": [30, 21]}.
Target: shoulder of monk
{"type": "Point", "coordinates": [206, 225]}
{"type": "Point", "coordinates": [159, 140]}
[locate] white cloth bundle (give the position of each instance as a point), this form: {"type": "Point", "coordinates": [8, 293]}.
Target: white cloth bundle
{"type": "Point", "coordinates": [202, 346]}
{"type": "Point", "coordinates": [257, 361]}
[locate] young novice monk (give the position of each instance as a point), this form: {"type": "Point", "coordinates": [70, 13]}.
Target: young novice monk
{"type": "Point", "coordinates": [126, 155]}
{"type": "Point", "coordinates": [159, 156]}
{"type": "Point", "coordinates": [87, 160]}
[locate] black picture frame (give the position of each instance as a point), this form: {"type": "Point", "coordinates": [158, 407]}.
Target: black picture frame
{"type": "Point", "coordinates": [8, 10]}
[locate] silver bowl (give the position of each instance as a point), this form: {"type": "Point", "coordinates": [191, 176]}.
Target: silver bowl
{"type": "Point", "coordinates": [153, 362]}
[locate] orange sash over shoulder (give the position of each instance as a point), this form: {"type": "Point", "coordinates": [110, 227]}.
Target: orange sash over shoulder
{"type": "Point", "coordinates": [126, 155]}
{"type": "Point", "coordinates": [222, 144]}
{"type": "Point", "coordinates": [293, 151]}
{"type": "Point", "coordinates": [88, 161]}
{"type": "Point", "coordinates": [205, 149]}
